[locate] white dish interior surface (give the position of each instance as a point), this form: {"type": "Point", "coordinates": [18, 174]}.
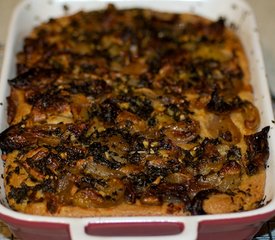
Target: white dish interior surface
{"type": "Point", "coordinates": [30, 13]}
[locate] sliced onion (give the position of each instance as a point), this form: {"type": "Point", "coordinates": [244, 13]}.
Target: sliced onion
{"type": "Point", "coordinates": [182, 132]}
{"type": "Point", "coordinates": [230, 176]}
{"type": "Point", "coordinates": [100, 171]}
{"type": "Point", "coordinates": [137, 124]}
{"type": "Point", "coordinates": [251, 116]}
{"type": "Point", "coordinates": [223, 126]}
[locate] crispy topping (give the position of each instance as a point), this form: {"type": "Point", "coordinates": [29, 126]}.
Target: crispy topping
{"type": "Point", "coordinates": [130, 106]}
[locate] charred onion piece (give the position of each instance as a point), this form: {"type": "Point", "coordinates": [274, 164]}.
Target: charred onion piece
{"type": "Point", "coordinates": [34, 78]}
{"type": "Point", "coordinates": [220, 104]}
{"type": "Point", "coordinates": [19, 136]}
{"type": "Point", "coordinates": [14, 138]}
{"type": "Point", "coordinates": [257, 150]}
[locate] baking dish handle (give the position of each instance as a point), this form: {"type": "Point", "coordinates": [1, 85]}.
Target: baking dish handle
{"type": "Point", "coordinates": [80, 230]}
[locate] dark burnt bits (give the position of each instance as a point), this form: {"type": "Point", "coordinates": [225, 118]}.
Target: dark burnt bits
{"type": "Point", "coordinates": [97, 148]}
{"type": "Point", "coordinates": [72, 152]}
{"type": "Point", "coordinates": [152, 121]}
{"type": "Point", "coordinates": [208, 149]}
{"type": "Point", "coordinates": [136, 184]}
{"type": "Point", "coordinates": [156, 171]}
{"type": "Point", "coordinates": [221, 104]}
{"type": "Point", "coordinates": [107, 111]}
{"type": "Point", "coordinates": [50, 100]}
{"type": "Point", "coordinates": [199, 74]}
{"type": "Point", "coordinates": [45, 163]}
{"type": "Point", "coordinates": [98, 151]}
{"type": "Point", "coordinates": [257, 150]}
{"type": "Point", "coordinates": [89, 87]}
{"type": "Point", "coordinates": [202, 74]}
{"type": "Point", "coordinates": [168, 167]}
{"type": "Point", "coordinates": [139, 105]}
{"type": "Point", "coordinates": [138, 143]}
{"type": "Point", "coordinates": [214, 32]}
{"type": "Point", "coordinates": [145, 81]}
{"type": "Point", "coordinates": [19, 194]}
{"type": "Point", "coordinates": [88, 182]}
{"type": "Point", "coordinates": [178, 111]}
{"type": "Point", "coordinates": [204, 154]}
{"type": "Point", "coordinates": [47, 186]}
{"type": "Point", "coordinates": [26, 193]}
{"type": "Point", "coordinates": [134, 157]}
{"type": "Point", "coordinates": [77, 131]}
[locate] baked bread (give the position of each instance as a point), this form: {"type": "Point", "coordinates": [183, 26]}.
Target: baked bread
{"type": "Point", "coordinates": [133, 112]}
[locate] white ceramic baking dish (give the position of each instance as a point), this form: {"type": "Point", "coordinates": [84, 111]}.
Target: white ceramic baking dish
{"type": "Point", "coordinates": [223, 226]}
